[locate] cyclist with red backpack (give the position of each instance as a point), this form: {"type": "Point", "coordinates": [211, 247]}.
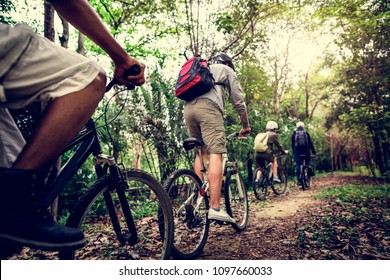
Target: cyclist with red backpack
{"type": "Point", "coordinates": [203, 116]}
{"type": "Point", "coordinates": [302, 145]}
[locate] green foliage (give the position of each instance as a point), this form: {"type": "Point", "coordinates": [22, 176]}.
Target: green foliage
{"type": "Point", "coordinates": [363, 104]}
{"type": "Point", "coordinates": [349, 194]}
{"type": "Point", "coordinates": [6, 6]}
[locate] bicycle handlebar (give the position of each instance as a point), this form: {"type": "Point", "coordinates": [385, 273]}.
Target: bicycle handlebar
{"type": "Point", "coordinates": [235, 135]}
{"type": "Point", "coordinates": [132, 71]}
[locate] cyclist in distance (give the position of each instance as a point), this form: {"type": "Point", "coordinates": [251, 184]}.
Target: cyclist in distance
{"type": "Point", "coordinates": [33, 68]}
{"type": "Point", "coordinates": [302, 145]}
{"type": "Point", "coordinates": [204, 120]}
{"type": "Point", "coordinates": [269, 155]}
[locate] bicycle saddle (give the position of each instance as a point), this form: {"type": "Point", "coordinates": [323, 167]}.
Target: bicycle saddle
{"type": "Point", "coordinates": [190, 143]}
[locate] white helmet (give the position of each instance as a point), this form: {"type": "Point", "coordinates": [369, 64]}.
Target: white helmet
{"type": "Point", "coordinates": [271, 125]}
{"type": "Point", "coordinates": [300, 124]}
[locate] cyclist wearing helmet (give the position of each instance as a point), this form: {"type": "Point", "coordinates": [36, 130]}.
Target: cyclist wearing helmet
{"type": "Point", "coordinates": [302, 145]}
{"type": "Point", "coordinates": [204, 120]}
{"type": "Point", "coordinates": [268, 155]}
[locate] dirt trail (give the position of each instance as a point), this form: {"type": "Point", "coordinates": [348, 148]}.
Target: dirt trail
{"type": "Point", "coordinates": [272, 228]}
{"type": "Point", "coordinates": [272, 231]}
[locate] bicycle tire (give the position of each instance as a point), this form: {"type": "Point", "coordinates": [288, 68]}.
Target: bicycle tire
{"type": "Point", "coordinates": [306, 178]}
{"type": "Point", "coordinates": [236, 200]}
{"type": "Point", "coordinates": [302, 177]}
{"type": "Point", "coordinates": [279, 188]}
{"type": "Point", "coordinates": [191, 231]}
{"type": "Point", "coordinates": [259, 188]}
{"type": "Point", "coordinates": [152, 215]}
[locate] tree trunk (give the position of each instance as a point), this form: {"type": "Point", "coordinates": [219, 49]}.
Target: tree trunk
{"type": "Point", "coordinates": [49, 22]}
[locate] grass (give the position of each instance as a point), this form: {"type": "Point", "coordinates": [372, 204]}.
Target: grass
{"type": "Point", "coordinates": [354, 224]}
{"type": "Point", "coordinates": [345, 194]}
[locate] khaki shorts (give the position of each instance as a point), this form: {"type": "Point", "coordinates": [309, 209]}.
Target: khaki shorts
{"type": "Point", "coordinates": [44, 72]}
{"type": "Point", "coordinates": [204, 121]}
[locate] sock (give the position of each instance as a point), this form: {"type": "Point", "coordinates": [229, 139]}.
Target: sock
{"type": "Point", "coordinates": [216, 209]}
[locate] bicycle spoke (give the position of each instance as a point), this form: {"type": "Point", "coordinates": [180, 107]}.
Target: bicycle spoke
{"type": "Point", "coordinates": [236, 200]}
{"type": "Point", "coordinates": [190, 214]}
{"type": "Point", "coordinates": [151, 214]}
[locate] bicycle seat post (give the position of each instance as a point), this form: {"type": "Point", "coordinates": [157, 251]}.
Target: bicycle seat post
{"type": "Point", "coordinates": [198, 150]}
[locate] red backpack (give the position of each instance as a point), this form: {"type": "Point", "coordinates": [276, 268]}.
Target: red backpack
{"type": "Point", "coordinates": [194, 79]}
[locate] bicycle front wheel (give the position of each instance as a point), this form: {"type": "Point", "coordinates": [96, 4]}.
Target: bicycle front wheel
{"type": "Point", "coordinates": [150, 210]}
{"type": "Point", "coordinates": [236, 200]}
{"type": "Point", "coordinates": [280, 188]}
{"type": "Point", "coordinates": [190, 211]}
{"type": "Point", "coordinates": [259, 184]}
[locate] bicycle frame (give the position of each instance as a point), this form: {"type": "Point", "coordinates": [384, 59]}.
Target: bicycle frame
{"type": "Point", "coordinates": [228, 165]}
{"type": "Point", "coordinates": [89, 144]}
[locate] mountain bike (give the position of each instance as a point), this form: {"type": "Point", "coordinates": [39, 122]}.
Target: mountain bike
{"type": "Point", "coordinates": [263, 180]}
{"type": "Point", "coordinates": [124, 214]}
{"type": "Point", "coordinates": [190, 200]}
{"type": "Point", "coordinates": [305, 173]}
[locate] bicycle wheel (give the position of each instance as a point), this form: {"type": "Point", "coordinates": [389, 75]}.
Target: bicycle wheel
{"type": "Point", "coordinates": [236, 200]}
{"type": "Point", "coordinates": [259, 187]}
{"type": "Point", "coordinates": [306, 178]}
{"type": "Point", "coordinates": [302, 177]}
{"type": "Point", "coordinates": [151, 211]}
{"type": "Point", "coordinates": [191, 222]}
{"type": "Point", "coordinates": [280, 188]}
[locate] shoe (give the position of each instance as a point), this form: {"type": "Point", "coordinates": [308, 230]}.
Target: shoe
{"type": "Point", "coordinates": [220, 216]}
{"type": "Point", "coordinates": [277, 180]}
{"type": "Point", "coordinates": [24, 220]}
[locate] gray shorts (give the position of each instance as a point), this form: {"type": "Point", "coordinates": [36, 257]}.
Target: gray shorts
{"type": "Point", "coordinates": [205, 121]}
{"type": "Point", "coordinates": [44, 72]}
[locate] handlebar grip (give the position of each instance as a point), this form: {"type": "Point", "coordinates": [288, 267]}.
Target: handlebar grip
{"type": "Point", "coordinates": [132, 71]}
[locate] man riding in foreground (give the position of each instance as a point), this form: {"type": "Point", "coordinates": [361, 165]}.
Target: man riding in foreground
{"type": "Point", "coordinates": [33, 68]}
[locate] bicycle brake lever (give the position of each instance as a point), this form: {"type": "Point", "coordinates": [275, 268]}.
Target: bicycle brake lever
{"type": "Point", "coordinates": [132, 71]}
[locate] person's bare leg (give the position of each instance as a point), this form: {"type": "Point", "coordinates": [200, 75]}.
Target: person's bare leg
{"type": "Point", "coordinates": [198, 165]}
{"type": "Point", "coordinates": [61, 121]}
{"type": "Point", "coordinates": [215, 179]}
{"type": "Point", "coordinates": [275, 168]}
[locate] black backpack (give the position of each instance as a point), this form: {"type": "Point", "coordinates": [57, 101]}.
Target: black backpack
{"type": "Point", "coordinates": [301, 139]}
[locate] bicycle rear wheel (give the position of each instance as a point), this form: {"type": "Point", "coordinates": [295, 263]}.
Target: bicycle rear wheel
{"type": "Point", "coordinates": [191, 225]}
{"type": "Point", "coordinates": [236, 200]}
{"type": "Point", "coordinates": [151, 211]}
{"type": "Point", "coordinates": [280, 188]}
{"type": "Point", "coordinates": [306, 178]}
{"type": "Point", "coordinates": [259, 187]}
{"type": "Point", "coordinates": [305, 181]}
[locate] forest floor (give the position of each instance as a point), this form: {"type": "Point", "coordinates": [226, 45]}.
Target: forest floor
{"type": "Point", "coordinates": [298, 225]}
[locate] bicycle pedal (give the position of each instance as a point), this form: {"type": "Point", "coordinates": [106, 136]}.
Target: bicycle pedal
{"type": "Point", "coordinates": [221, 223]}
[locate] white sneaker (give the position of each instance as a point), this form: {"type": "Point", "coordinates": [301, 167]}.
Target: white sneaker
{"type": "Point", "coordinates": [220, 216]}
{"type": "Point", "coordinates": [277, 180]}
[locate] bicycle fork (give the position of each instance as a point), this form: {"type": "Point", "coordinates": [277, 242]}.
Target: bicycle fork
{"type": "Point", "coordinates": [120, 185]}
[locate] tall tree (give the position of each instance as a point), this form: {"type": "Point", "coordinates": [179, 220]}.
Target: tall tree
{"type": "Point", "coordinates": [364, 34]}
